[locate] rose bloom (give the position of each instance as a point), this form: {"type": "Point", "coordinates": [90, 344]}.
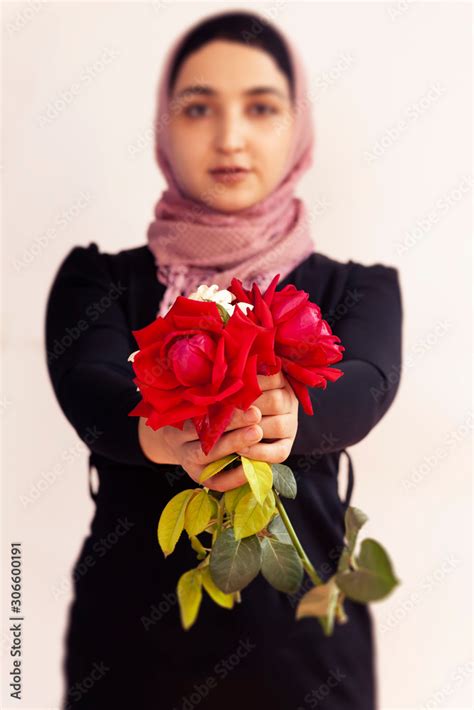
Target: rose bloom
{"type": "Point", "coordinates": [190, 365]}
{"type": "Point", "coordinates": [305, 346]}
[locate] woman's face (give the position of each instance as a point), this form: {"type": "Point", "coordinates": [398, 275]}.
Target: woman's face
{"type": "Point", "coordinates": [231, 106]}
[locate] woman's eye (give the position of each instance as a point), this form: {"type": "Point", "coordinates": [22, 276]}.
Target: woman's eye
{"type": "Point", "coordinates": [263, 109]}
{"type": "Point", "coordinates": [195, 110]}
{"type": "Point", "coordinates": [199, 110]}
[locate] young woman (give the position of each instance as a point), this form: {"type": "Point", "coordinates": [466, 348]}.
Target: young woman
{"type": "Point", "coordinates": [234, 134]}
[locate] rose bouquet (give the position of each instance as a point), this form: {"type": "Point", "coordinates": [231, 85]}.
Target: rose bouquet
{"type": "Point", "coordinates": [201, 362]}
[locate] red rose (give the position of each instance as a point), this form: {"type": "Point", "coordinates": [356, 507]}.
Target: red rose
{"type": "Point", "coordinates": [304, 343]}
{"type": "Point", "coordinates": [192, 366]}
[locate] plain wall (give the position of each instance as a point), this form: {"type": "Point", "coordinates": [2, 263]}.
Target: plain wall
{"type": "Point", "coordinates": [391, 183]}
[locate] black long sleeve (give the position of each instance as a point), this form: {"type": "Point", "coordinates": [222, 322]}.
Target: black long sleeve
{"type": "Point", "coordinates": [87, 345]}
{"type": "Point", "coordinates": [370, 327]}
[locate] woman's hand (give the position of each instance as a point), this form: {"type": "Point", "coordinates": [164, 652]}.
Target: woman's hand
{"type": "Point", "coordinates": [273, 416]}
{"type": "Point", "coordinates": [170, 445]}
{"type": "Point", "coordinates": [279, 407]}
{"type": "Point", "coordinates": [278, 410]}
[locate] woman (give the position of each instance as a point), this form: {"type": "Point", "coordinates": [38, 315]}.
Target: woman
{"type": "Point", "coordinates": [232, 95]}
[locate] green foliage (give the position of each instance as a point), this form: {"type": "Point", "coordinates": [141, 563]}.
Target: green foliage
{"type": "Point", "coordinates": [215, 466]}
{"type": "Point", "coordinates": [171, 523]}
{"type": "Point", "coordinates": [321, 602]}
{"type": "Point", "coordinates": [281, 566]}
{"type": "Point", "coordinates": [373, 579]}
{"type": "Point", "coordinates": [260, 477]}
{"type": "Point", "coordinates": [251, 517]}
{"type": "Point", "coordinates": [189, 592]}
{"type": "Point", "coordinates": [199, 512]}
{"type": "Point", "coordinates": [234, 563]}
{"type": "Point", "coordinates": [284, 480]}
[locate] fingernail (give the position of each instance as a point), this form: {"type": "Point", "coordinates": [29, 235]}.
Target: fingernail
{"type": "Point", "coordinates": [251, 434]}
{"type": "Point", "coordinates": [251, 415]}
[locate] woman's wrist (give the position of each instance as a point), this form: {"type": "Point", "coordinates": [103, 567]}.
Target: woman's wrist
{"type": "Point", "coordinates": [153, 444]}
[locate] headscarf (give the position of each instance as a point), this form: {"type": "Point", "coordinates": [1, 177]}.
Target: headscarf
{"type": "Point", "coordinates": [194, 244]}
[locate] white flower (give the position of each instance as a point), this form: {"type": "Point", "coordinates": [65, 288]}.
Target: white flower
{"type": "Point", "coordinates": [222, 297]}
{"type": "Point", "coordinates": [243, 306]}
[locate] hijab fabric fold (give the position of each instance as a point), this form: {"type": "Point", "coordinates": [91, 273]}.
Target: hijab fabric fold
{"type": "Point", "coordinates": [194, 244]}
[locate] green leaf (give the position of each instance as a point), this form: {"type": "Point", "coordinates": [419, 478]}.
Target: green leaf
{"type": "Point", "coordinates": [198, 513]}
{"type": "Point", "coordinates": [373, 579]}
{"type": "Point", "coordinates": [189, 592]}
{"type": "Point", "coordinates": [224, 600]}
{"type": "Point", "coordinates": [251, 517]}
{"type": "Point", "coordinates": [284, 480]}
{"type": "Point", "coordinates": [198, 547]}
{"type": "Point", "coordinates": [321, 602]}
{"type": "Point", "coordinates": [215, 466]}
{"type": "Point", "coordinates": [354, 519]}
{"type": "Point", "coordinates": [344, 560]}
{"type": "Point", "coordinates": [278, 530]}
{"type": "Point", "coordinates": [232, 497]}
{"type": "Point", "coordinates": [281, 565]}
{"type": "Point", "coordinates": [234, 563]}
{"type": "Point", "coordinates": [171, 522]}
{"type": "Point", "coordinates": [260, 477]}
{"type": "Point", "coordinates": [224, 314]}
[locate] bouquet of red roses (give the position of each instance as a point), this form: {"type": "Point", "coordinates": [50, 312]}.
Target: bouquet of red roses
{"type": "Point", "coordinates": [200, 362]}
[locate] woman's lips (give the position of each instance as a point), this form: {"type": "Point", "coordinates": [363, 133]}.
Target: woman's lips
{"type": "Point", "coordinates": [230, 175]}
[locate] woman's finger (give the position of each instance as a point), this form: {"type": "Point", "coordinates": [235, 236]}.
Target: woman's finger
{"type": "Point", "coordinates": [274, 452]}
{"type": "Point", "coordinates": [279, 426]}
{"type": "Point", "coordinates": [268, 382]}
{"type": "Point", "coordinates": [193, 454]}
{"type": "Point", "coordinates": [241, 419]}
{"type": "Point", "coordinates": [226, 480]}
{"type": "Point", "coordinates": [274, 401]}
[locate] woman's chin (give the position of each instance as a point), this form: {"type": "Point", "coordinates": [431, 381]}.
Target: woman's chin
{"type": "Point", "coordinates": [232, 203]}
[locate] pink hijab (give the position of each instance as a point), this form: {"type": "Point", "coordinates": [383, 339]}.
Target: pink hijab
{"type": "Point", "coordinates": [194, 244]}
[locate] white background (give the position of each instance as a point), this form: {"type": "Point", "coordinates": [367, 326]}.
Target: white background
{"type": "Point", "coordinates": [380, 191]}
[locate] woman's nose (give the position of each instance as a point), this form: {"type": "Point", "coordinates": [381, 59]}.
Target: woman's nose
{"type": "Point", "coordinates": [230, 132]}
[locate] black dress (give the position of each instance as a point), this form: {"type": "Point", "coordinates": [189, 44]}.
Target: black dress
{"type": "Point", "coordinates": [124, 646]}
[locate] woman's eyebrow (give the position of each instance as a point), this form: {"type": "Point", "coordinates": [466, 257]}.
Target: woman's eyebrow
{"type": "Point", "coordinates": [203, 89]}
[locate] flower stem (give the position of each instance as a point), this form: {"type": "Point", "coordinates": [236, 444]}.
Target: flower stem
{"type": "Point", "coordinates": [313, 575]}
{"type": "Point", "coordinates": [220, 518]}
